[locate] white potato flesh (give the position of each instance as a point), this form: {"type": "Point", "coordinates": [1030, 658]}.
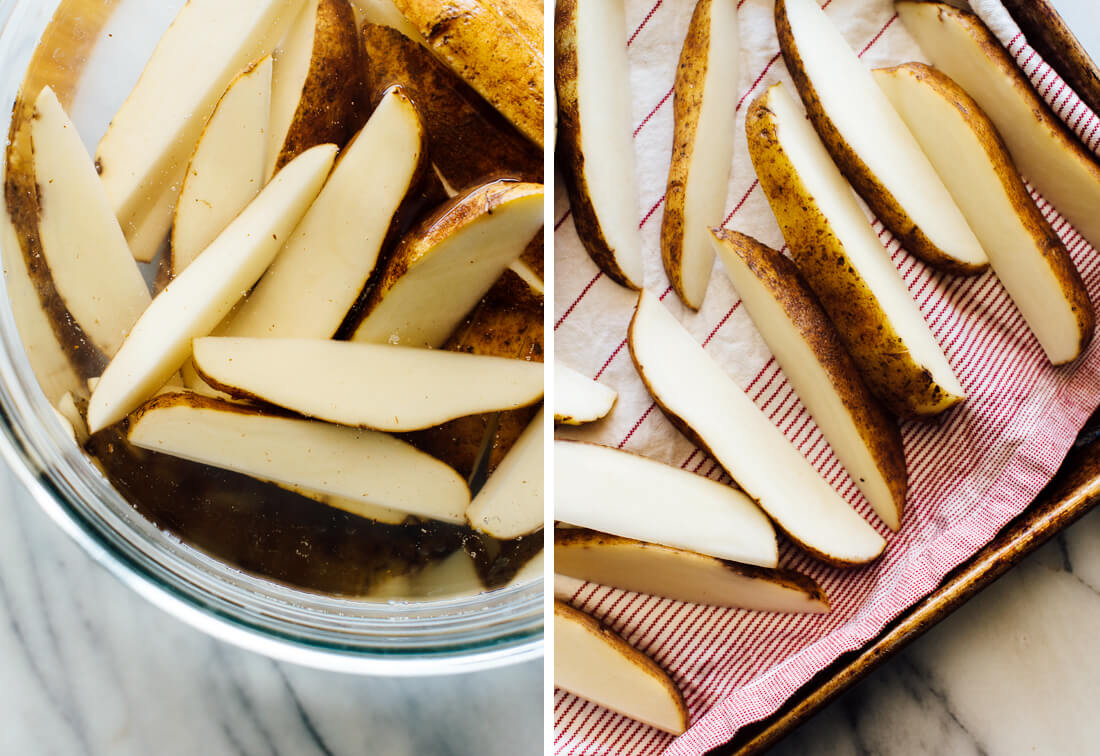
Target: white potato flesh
{"type": "Point", "coordinates": [197, 300]}
{"type": "Point", "coordinates": [346, 462]}
{"type": "Point", "coordinates": [510, 503]}
{"type": "Point", "coordinates": [533, 569]}
{"type": "Point", "coordinates": [82, 243]}
{"type": "Point", "coordinates": [530, 277]}
{"type": "Point", "coordinates": [1066, 174]}
{"type": "Point", "coordinates": [292, 63]}
{"type": "Point", "coordinates": [837, 202]}
{"type": "Point", "coordinates": [684, 576]}
{"type": "Point", "coordinates": [693, 387]}
{"type": "Point", "coordinates": [451, 577]}
{"type": "Point", "coordinates": [813, 385]}
{"type": "Point", "coordinates": [606, 133]}
{"type": "Point", "coordinates": [226, 171]}
{"type": "Point", "coordinates": [627, 495]}
{"type": "Point", "coordinates": [388, 388]}
{"type": "Point", "coordinates": [429, 301]}
{"type": "Point", "coordinates": [592, 663]}
{"type": "Point", "coordinates": [144, 154]}
{"type": "Point", "coordinates": [355, 506]}
{"type": "Point", "coordinates": [873, 129]}
{"type": "Point", "coordinates": [68, 409]}
{"type": "Point", "coordinates": [317, 277]}
{"type": "Point", "coordinates": [1016, 255]}
{"type": "Point", "coordinates": [384, 13]}
{"type": "Point", "coordinates": [579, 400]}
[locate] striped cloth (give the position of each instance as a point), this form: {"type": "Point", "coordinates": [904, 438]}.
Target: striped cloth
{"type": "Point", "coordinates": [971, 470]}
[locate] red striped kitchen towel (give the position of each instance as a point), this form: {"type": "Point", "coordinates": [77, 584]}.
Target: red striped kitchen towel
{"type": "Point", "coordinates": [971, 470]}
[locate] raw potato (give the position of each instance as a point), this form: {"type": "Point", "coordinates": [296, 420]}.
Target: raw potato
{"type": "Point", "coordinates": [83, 246]}
{"type": "Point", "coordinates": [1043, 148]}
{"type": "Point", "coordinates": [377, 386]}
{"type": "Point", "coordinates": [143, 156]}
{"type": "Point", "coordinates": [442, 270]}
{"type": "Point", "coordinates": [510, 503]}
{"type": "Point", "coordinates": [226, 171]}
{"type": "Point", "coordinates": [1025, 252]}
{"type": "Point", "coordinates": [495, 46]}
{"type": "Point", "coordinates": [594, 663]}
{"type": "Point", "coordinates": [324, 458]}
{"type": "Point", "coordinates": [842, 259]}
{"type": "Point", "coordinates": [471, 142]}
{"type": "Point", "coordinates": [385, 13]}
{"type": "Point", "coordinates": [682, 575]}
{"type": "Point", "coordinates": [317, 83]}
{"type": "Point", "coordinates": [627, 495]}
{"type": "Point", "coordinates": [806, 345]}
{"type": "Point", "coordinates": [578, 399]}
{"type": "Point", "coordinates": [357, 507]}
{"type": "Point", "coordinates": [196, 301]}
{"type": "Point", "coordinates": [326, 263]}
{"type": "Point", "coordinates": [595, 145]}
{"type": "Point", "coordinates": [702, 401]}
{"type": "Point", "coordinates": [704, 106]}
{"type": "Point", "coordinates": [870, 143]}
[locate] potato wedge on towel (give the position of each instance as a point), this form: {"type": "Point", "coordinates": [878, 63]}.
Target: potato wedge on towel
{"type": "Point", "coordinates": [704, 106]}
{"type": "Point", "coordinates": [682, 575]}
{"type": "Point", "coordinates": [627, 495]}
{"type": "Point", "coordinates": [324, 458]}
{"type": "Point", "coordinates": [1044, 149]}
{"type": "Point", "coordinates": [701, 400]}
{"type": "Point", "coordinates": [510, 503]}
{"type": "Point", "coordinates": [579, 400]}
{"type": "Point", "coordinates": [596, 664]}
{"type": "Point", "coordinates": [595, 144]}
{"type": "Point", "coordinates": [196, 301]}
{"type": "Point", "coordinates": [841, 257]}
{"type": "Point", "coordinates": [1024, 251]}
{"type": "Point", "coordinates": [870, 143]}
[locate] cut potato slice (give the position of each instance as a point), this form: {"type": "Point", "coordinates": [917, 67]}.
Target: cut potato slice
{"type": "Point", "coordinates": [870, 143]}
{"type": "Point", "coordinates": [1027, 256]}
{"type": "Point", "coordinates": [594, 663]}
{"type": "Point", "coordinates": [385, 13]}
{"type": "Point", "coordinates": [682, 575]}
{"type": "Point", "coordinates": [704, 106]}
{"type": "Point", "coordinates": [844, 262]}
{"type": "Point", "coordinates": [579, 400]}
{"type": "Point", "coordinates": [143, 156]}
{"type": "Point", "coordinates": [451, 577]}
{"type": "Point", "coordinates": [66, 406]}
{"type": "Point", "coordinates": [82, 244]}
{"type": "Point", "coordinates": [357, 507]}
{"type": "Point", "coordinates": [1043, 148]}
{"type": "Point", "coordinates": [627, 495]}
{"type": "Point", "coordinates": [316, 83]}
{"type": "Point", "coordinates": [509, 505]}
{"type": "Point", "coordinates": [376, 386]}
{"type": "Point", "coordinates": [343, 462]}
{"type": "Point", "coordinates": [808, 348]}
{"type": "Point", "coordinates": [194, 303]}
{"type": "Point", "coordinates": [226, 171]}
{"type": "Point", "coordinates": [441, 271]}
{"type": "Point", "coordinates": [318, 276]}
{"type": "Point", "coordinates": [533, 569]}
{"type": "Point", "coordinates": [595, 146]}
{"type": "Point", "coordinates": [713, 411]}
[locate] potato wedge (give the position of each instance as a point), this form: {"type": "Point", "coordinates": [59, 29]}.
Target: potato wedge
{"type": "Point", "coordinates": [493, 45]}
{"type": "Point", "coordinates": [385, 13]}
{"type": "Point", "coordinates": [869, 142]}
{"type": "Point", "coordinates": [510, 504]}
{"type": "Point", "coordinates": [1025, 252]}
{"type": "Point", "coordinates": [579, 399]}
{"type": "Point", "coordinates": [595, 148]}
{"type": "Point", "coordinates": [226, 171]}
{"type": "Point", "coordinates": [704, 106]}
{"type": "Point", "coordinates": [844, 262]}
{"type": "Point", "coordinates": [317, 83]}
{"type": "Point", "coordinates": [701, 400]}
{"type": "Point", "coordinates": [1043, 148]}
{"type": "Point", "coordinates": [806, 345]}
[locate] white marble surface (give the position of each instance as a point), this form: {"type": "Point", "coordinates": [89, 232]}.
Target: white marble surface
{"type": "Point", "coordinates": [88, 667]}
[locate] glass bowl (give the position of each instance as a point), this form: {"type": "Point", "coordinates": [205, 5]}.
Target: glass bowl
{"type": "Point", "coordinates": [495, 628]}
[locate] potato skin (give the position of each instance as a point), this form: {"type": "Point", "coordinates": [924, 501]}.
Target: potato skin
{"type": "Point", "coordinates": [496, 46]}
{"type": "Point", "coordinates": [906, 387]}
{"type": "Point", "coordinates": [878, 198]}
{"type": "Point", "coordinates": [471, 143]}
{"type": "Point", "coordinates": [331, 108]}
{"type": "Point", "coordinates": [1046, 240]}
{"type": "Point", "coordinates": [877, 428]}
